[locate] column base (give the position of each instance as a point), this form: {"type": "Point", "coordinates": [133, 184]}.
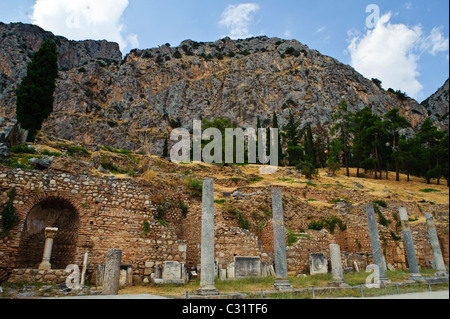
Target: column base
{"type": "Point", "coordinates": [208, 291]}
{"type": "Point", "coordinates": [416, 277]}
{"type": "Point", "coordinates": [283, 285]}
{"type": "Point", "coordinates": [45, 266]}
{"type": "Point", "coordinates": [441, 274]}
{"type": "Point", "coordinates": [338, 284]}
{"type": "Point", "coordinates": [384, 280]}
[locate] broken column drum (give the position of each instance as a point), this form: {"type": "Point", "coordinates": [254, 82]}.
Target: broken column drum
{"type": "Point", "coordinates": [375, 242]}
{"type": "Point", "coordinates": [441, 271]}
{"type": "Point", "coordinates": [111, 279]}
{"type": "Point", "coordinates": [414, 270]}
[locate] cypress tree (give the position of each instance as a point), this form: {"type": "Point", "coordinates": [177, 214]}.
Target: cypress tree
{"type": "Point", "coordinates": [35, 92]}
{"type": "Point", "coordinates": [280, 148]}
{"type": "Point", "coordinates": [166, 148]}
{"type": "Point", "coordinates": [309, 146]}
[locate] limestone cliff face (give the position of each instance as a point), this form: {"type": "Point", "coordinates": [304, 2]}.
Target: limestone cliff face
{"type": "Point", "coordinates": [19, 41]}
{"type": "Point", "coordinates": [438, 104]}
{"type": "Point", "coordinates": [134, 103]}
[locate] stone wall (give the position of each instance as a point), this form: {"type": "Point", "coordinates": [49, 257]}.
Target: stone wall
{"type": "Point", "coordinates": [235, 241]}
{"type": "Point", "coordinates": [95, 214]}
{"type": "Point", "coordinates": [110, 211]}
{"type": "Point", "coordinates": [33, 276]}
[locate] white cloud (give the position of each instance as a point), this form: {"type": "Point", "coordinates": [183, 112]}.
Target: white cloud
{"type": "Point", "coordinates": [287, 34]}
{"type": "Point", "coordinates": [321, 29]}
{"type": "Point", "coordinates": [238, 18]}
{"type": "Point", "coordinates": [436, 42]}
{"type": "Point", "coordinates": [84, 19]}
{"type": "Point", "coordinates": [391, 53]}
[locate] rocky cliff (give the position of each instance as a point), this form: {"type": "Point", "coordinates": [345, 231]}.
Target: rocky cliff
{"type": "Point", "coordinates": [437, 104]}
{"type": "Point", "coordinates": [19, 41]}
{"type": "Point", "coordinates": [133, 103]}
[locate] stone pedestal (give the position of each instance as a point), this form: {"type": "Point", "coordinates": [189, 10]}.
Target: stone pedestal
{"type": "Point", "coordinates": [441, 271]}
{"type": "Point", "coordinates": [50, 234]}
{"type": "Point", "coordinates": [207, 275]}
{"type": "Point", "coordinates": [336, 266]}
{"type": "Point", "coordinates": [111, 279]}
{"type": "Point", "coordinates": [279, 240]}
{"type": "Point", "coordinates": [375, 242]}
{"type": "Point", "coordinates": [414, 270]}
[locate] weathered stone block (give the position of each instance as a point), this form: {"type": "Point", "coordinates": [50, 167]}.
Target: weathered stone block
{"type": "Point", "coordinates": [318, 264]}
{"type": "Point", "coordinates": [247, 267]}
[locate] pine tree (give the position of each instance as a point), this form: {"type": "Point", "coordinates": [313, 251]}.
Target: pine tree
{"type": "Point", "coordinates": [292, 131]}
{"type": "Point", "coordinates": [429, 137]}
{"type": "Point", "coordinates": [394, 121]}
{"type": "Point", "coordinates": [35, 92]}
{"type": "Point", "coordinates": [444, 156]}
{"type": "Point", "coordinates": [341, 129]}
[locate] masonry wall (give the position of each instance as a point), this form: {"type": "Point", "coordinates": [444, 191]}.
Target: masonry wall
{"type": "Point", "coordinates": [111, 215]}
{"type": "Point", "coordinates": [355, 241]}
{"type": "Point", "coordinates": [111, 212]}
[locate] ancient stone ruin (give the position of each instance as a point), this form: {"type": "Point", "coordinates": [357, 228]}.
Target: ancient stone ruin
{"type": "Point", "coordinates": [63, 218]}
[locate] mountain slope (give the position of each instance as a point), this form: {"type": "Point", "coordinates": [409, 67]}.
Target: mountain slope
{"type": "Point", "coordinates": [135, 103]}
{"type": "Point", "coordinates": [438, 104]}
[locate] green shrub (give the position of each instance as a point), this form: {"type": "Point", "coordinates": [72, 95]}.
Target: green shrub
{"type": "Point", "coordinates": [381, 218]}
{"type": "Point", "coordinates": [145, 228]}
{"type": "Point", "coordinates": [196, 186]}
{"type": "Point", "coordinates": [9, 217]}
{"type": "Point", "coordinates": [184, 208]}
{"type": "Point", "coordinates": [394, 236]}
{"type": "Point", "coordinates": [177, 55]}
{"type": "Point", "coordinates": [242, 221]}
{"type": "Point", "coordinates": [381, 203]}
{"type": "Point", "coordinates": [48, 153]}
{"type": "Point", "coordinates": [308, 169]}
{"type": "Point", "coordinates": [329, 223]}
{"type": "Point", "coordinates": [430, 190]}
{"type": "Point", "coordinates": [73, 150]}
{"type": "Point", "coordinates": [22, 149]}
{"type": "Point", "coordinates": [316, 225]}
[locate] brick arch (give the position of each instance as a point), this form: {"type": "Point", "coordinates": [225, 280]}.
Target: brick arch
{"type": "Point", "coordinates": [49, 210]}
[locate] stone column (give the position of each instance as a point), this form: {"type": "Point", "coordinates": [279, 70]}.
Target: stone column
{"type": "Point", "coordinates": [207, 285]}
{"type": "Point", "coordinates": [50, 234]}
{"type": "Point", "coordinates": [441, 271]}
{"type": "Point", "coordinates": [279, 241]}
{"type": "Point", "coordinates": [414, 270]}
{"type": "Point", "coordinates": [375, 242]}
{"type": "Point", "coordinates": [83, 272]}
{"type": "Point", "coordinates": [336, 266]}
{"type": "Point", "coordinates": [112, 272]}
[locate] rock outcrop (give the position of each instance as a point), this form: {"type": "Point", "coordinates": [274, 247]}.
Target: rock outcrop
{"type": "Point", "coordinates": [437, 104]}
{"type": "Point", "coordinates": [19, 41]}
{"type": "Point", "coordinates": [134, 103]}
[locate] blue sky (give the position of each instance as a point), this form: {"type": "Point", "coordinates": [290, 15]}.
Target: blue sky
{"type": "Point", "coordinates": [403, 43]}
